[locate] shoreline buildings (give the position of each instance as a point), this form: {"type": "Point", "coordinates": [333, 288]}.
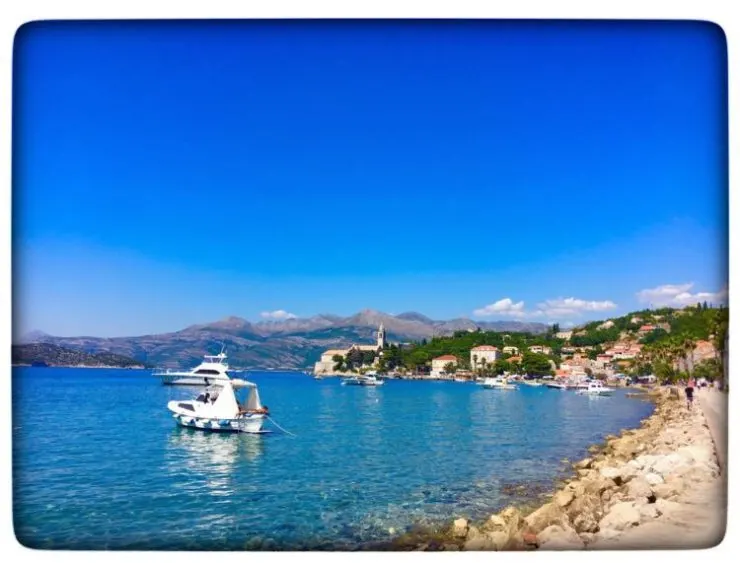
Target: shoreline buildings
{"type": "Point", "coordinates": [325, 365]}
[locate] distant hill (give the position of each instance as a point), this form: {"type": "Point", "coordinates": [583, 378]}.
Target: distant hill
{"type": "Point", "coordinates": [52, 355]}
{"type": "Point", "coordinates": [291, 343]}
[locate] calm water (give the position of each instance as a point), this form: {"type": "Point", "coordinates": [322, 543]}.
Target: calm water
{"type": "Point", "coordinates": [99, 463]}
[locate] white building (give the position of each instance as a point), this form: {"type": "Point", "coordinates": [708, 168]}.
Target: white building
{"type": "Point", "coordinates": [325, 366]}
{"type": "Point", "coordinates": [513, 350]}
{"type": "Point", "coordinates": [537, 349]}
{"type": "Point", "coordinates": [439, 363]}
{"type": "Point", "coordinates": [564, 334]}
{"type": "Point", "coordinates": [481, 355]}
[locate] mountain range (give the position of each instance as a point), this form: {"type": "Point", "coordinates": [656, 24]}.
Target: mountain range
{"type": "Point", "coordinates": [291, 344]}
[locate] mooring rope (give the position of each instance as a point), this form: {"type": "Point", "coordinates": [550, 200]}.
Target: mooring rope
{"type": "Point", "coordinates": [280, 427]}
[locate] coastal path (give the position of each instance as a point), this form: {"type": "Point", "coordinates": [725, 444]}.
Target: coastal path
{"type": "Point", "coordinates": [714, 406]}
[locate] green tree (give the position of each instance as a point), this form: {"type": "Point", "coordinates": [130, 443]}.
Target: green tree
{"type": "Point", "coordinates": [450, 368]}
{"type": "Point", "coordinates": [536, 364]}
{"type": "Point", "coordinates": [368, 357]}
{"type": "Point", "coordinates": [354, 359]}
{"type": "Point", "coordinates": [338, 362]}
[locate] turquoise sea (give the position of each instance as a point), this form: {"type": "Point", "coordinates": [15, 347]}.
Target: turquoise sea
{"type": "Point", "coordinates": [98, 462]}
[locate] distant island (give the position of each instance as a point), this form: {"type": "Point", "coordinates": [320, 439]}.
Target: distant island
{"type": "Point", "coordinates": [44, 354]}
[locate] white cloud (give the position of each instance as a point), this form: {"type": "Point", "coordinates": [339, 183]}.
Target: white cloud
{"type": "Point", "coordinates": [503, 307]}
{"type": "Point", "coordinates": [669, 295]}
{"type": "Point", "coordinates": [551, 308]}
{"type": "Point", "coordinates": [278, 315]}
{"type": "Point", "coordinates": [571, 306]}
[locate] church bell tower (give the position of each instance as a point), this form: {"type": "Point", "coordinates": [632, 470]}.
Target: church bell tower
{"type": "Point", "coordinates": [381, 336]}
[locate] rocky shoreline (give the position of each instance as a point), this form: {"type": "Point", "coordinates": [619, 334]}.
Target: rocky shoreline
{"type": "Point", "coordinates": [657, 486]}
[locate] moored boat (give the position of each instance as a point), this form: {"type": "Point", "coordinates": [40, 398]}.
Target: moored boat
{"type": "Point", "coordinates": [595, 387]}
{"type": "Point", "coordinates": [363, 380]}
{"type": "Point", "coordinates": [211, 370]}
{"type": "Point", "coordinates": [530, 383]}
{"type": "Point", "coordinates": [499, 382]}
{"type": "Point", "coordinates": [217, 408]}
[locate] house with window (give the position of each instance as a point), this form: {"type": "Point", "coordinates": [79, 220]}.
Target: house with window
{"type": "Point", "coordinates": [483, 355]}
{"type": "Point", "coordinates": [538, 349]}
{"type": "Point", "coordinates": [439, 363]}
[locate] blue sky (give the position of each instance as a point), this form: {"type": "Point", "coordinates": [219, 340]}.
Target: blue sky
{"type": "Point", "coordinates": [168, 174]}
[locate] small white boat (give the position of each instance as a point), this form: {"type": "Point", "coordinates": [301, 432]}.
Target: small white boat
{"type": "Point", "coordinates": [218, 409]}
{"type": "Point", "coordinates": [460, 380]}
{"type": "Point", "coordinates": [553, 385]}
{"type": "Point", "coordinates": [213, 369]}
{"type": "Point", "coordinates": [529, 383]}
{"type": "Point", "coordinates": [498, 383]}
{"type": "Point", "coordinates": [595, 388]}
{"type": "Point", "coordinates": [363, 380]}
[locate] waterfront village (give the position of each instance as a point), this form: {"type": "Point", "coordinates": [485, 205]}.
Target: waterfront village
{"type": "Point", "coordinates": [644, 346]}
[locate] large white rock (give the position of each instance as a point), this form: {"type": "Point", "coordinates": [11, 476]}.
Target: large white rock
{"type": "Point", "coordinates": [559, 538]}
{"type": "Point", "coordinates": [639, 489]}
{"type": "Point", "coordinates": [611, 472]}
{"type": "Point", "coordinates": [628, 472]}
{"type": "Point", "coordinates": [653, 478]}
{"type": "Point", "coordinates": [460, 528]}
{"type": "Point", "coordinates": [669, 464]}
{"type": "Point", "coordinates": [621, 516]}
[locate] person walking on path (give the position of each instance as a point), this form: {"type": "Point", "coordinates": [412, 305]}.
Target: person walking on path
{"type": "Point", "coordinates": [689, 393]}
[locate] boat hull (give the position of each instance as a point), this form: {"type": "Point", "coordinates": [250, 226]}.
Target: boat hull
{"type": "Point", "coordinates": [363, 383]}
{"type": "Point", "coordinates": [249, 423]}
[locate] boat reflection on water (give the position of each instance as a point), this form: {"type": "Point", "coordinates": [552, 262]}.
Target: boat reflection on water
{"type": "Point", "coordinates": [212, 456]}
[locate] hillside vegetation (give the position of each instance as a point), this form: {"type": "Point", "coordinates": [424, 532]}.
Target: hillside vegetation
{"type": "Point", "coordinates": [667, 341]}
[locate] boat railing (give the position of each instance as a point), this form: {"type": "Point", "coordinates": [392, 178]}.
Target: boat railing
{"type": "Point", "coordinates": [167, 371]}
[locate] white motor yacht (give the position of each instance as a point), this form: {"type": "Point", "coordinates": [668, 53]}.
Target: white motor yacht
{"type": "Point", "coordinates": [363, 380]}
{"type": "Point", "coordinates": [217, 408]}
{"type": "Point", "coordinates": [595, 387]}
{"type": "Point", "coordinates": [498, 382]}
{"type": "Point", "coordinates": [530, 383]}
{"type": "Point", "coordinates": [211, 370]}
